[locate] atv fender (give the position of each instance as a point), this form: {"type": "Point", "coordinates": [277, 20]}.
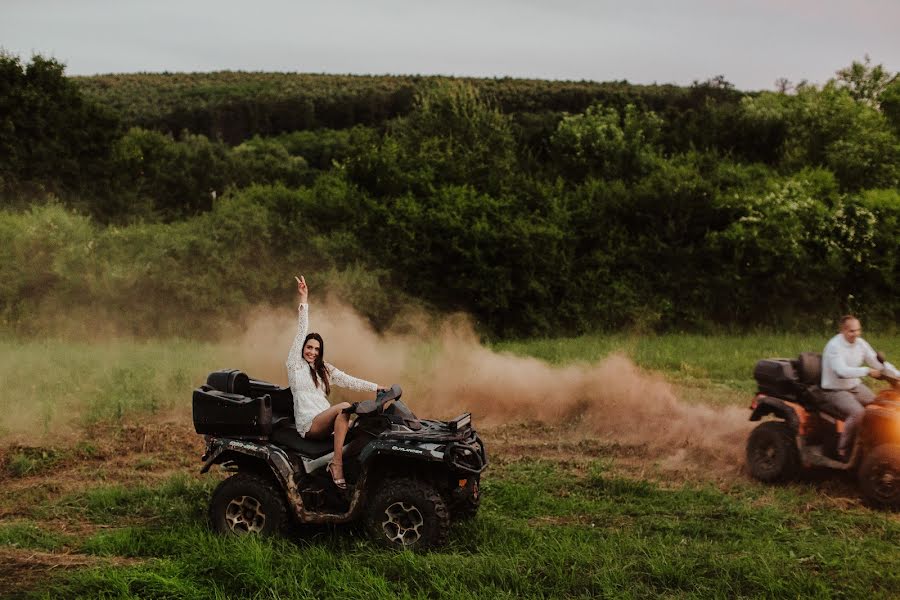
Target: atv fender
{"type": "Point", "coordinates": [767, 405]}
{"type": "Point", "coordinates": [879, 426]}
{"type": "Point", "coordinates": [225, 450]}
{"type": "Point", "coordinates": [425, 452]}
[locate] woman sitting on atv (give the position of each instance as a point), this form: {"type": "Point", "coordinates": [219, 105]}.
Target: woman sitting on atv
{"type": "Point", "coordinates": [311, 378]}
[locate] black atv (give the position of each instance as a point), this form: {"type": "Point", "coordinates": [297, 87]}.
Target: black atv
{"type": "Point", "coordinates": [406, 477]}
{"type": "Point", "coordinates": [805, 434]}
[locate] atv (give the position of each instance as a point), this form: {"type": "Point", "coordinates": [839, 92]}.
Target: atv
{"type": "Point", "coordinates": [804, 433]}
{"type": "Point", "coordinates": [406, 477]}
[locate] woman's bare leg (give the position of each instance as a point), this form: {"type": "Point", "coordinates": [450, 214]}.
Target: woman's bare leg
{"type": "Point", "coordinates": [332, 420]}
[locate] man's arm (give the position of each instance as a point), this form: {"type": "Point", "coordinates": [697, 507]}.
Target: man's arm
{"type": "Point", "coordinates": [840, 367]}
{"type": "Point", "coordinates": [870, 357]}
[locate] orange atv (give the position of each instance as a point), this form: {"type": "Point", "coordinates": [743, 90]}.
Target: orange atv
{"type": "Point", "coordinates": [804, 434]}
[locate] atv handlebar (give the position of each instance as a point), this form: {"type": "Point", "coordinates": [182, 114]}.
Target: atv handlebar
{"type": "Point", "coordinates": [382, 398]}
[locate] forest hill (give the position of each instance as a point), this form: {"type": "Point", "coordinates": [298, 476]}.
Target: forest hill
{"type": "Point", "coordinates": [535, 206]}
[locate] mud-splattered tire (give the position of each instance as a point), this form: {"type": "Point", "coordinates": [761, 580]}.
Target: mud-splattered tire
{"type": "Point", "coordinates": [879, 476]}
{"type": "Point", "coordinates": [408, 514]}
{"type": "Point", "coordinates": [246, 503]}
{"type": "Point", "coordinates": [772, 453]}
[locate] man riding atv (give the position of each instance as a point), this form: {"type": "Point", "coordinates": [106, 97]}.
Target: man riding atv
{"type": "Point", "coordinates": [842, 391]}
{"type": "Point", "coordinates": [808, 429]}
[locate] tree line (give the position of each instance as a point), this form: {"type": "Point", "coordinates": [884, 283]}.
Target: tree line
{"type": "Point", "coordinates": [537, 207]}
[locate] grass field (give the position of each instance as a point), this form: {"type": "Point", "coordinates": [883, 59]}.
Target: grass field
{"type": "Point", "coordinates": [109, 503]}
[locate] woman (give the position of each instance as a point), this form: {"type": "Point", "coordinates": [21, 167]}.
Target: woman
{"type": "Point", "coordinates": [311, 378]}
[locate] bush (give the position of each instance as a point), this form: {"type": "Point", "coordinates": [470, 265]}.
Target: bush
{"type": "Point", "coordinates": [600, 143]}
{"type": "Point", "coordinates": [51, 138]}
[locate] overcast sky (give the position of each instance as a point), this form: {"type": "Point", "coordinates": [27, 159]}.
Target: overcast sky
{"type": "Point", "coordinates": [750, 42]}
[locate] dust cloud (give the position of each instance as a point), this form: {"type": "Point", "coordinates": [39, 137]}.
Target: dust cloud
{"type": "Point", "coordinates": [444, 371]}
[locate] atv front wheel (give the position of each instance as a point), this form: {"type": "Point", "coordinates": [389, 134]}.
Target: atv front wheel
{"type": "Point", "coordinates": [247, 504]}
{"type": "Point", "coordinates": [408, 514]}
{"type": "Point", "coordinates": [879, 476]}
{"type": "Point", "coordinates": [772, 453]}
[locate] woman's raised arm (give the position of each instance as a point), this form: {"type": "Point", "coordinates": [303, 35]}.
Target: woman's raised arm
{"type": "Point", "coordinates": [296, 353]}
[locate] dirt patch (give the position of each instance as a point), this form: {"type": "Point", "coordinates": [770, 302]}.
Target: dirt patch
{"type": "Point", "coordinates": [21, 569]}
{"type": "Point", "coordinates": [127, 455]}
{"type": "Point", "coordinates": [576, 446]}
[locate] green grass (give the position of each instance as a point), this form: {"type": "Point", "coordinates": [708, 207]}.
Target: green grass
{"type": "Point", "coordinates": [543, 532]}
{"type": "Point", "coordinates": [178, 499]}
{"type": "Point", "coordinates": [31, 461]}
{"type": "Point", "coordinates": [545, 529]}
{"type": "Point", "coordinates": [52, 383]}
{"type": "Point", "coordinates": [28, 534]}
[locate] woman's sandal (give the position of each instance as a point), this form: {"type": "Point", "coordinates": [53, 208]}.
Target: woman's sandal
{"type": "Point", "coordinates": [339, 483]}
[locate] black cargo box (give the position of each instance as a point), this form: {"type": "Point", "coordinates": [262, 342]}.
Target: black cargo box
{"type": "Point", "coordinates": [777, 377]}
{"type": "Point", "coordinates": [221, 413]}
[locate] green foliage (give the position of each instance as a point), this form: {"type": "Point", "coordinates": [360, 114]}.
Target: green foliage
{"type": "Point", "coordinates": [51, 138]}
{"type": "Point", "coordinates": [599, 143]}
{"type": "Point", "coordinates": [537, 207]}
{"type": "Point", "coordinates": [452, 137]}
{"type": "Point", "coordinates": [40, 251]}
{"type": "Point", "coordinates": [890, 104]}
{"type": "Point", "coordinates": [234, 106]}
{"type": "Point", "coordinates": [828, 127]}
{"type": "Point", "coordinates": [323, 148]}
{"type": "Point", "coordinates": [802, 253]}
{"type": "Point", "coordinates": [179, 177]}
{"type": "Point", "coordinates": [261, 160]}
{"type": "Point", "coordinates": [866, 83]}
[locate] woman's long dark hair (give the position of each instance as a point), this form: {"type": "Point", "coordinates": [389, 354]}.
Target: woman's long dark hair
{"type": "Point", "coordinates": [319, 370]}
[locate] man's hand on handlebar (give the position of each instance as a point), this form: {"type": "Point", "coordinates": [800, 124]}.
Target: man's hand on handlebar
{"type": "Point", "coordinates": [875, 373]}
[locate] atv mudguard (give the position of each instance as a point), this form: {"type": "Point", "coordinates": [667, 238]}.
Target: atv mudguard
{"type": "Point", "coordinates": [879, 426]}
{"type": "Point", "coordinates": [274, 457]}
{"type": "Point", "coordinates": [767, 405]}
{"type": "Point", "coordinates": [450, 455]}
{"type": "Point", "coordinates": [395, 448]}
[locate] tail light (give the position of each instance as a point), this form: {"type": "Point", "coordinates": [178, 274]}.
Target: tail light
{"type": "Point", "coordinates": [755, 402]}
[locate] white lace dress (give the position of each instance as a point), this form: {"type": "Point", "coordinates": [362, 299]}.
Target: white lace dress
{"type": "Point", "coordinates": [309, 398]}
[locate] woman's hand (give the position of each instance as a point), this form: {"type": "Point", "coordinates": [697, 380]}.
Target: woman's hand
{"type": "Point", "coordinates": [302, 289]}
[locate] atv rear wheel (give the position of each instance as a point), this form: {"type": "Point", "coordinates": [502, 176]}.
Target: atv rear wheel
{"type": "Point", "coordinates": [772, 453]}
{"type": "Point", "coordinates": [246, 503]}
{"type": "Point", "coordinates": [408, 514]}
{"type": "Point", "coordinates": [879, 476]}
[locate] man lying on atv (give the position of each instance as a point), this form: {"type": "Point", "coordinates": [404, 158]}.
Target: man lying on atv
{"type": "Point", "coordinates": [842, 391]}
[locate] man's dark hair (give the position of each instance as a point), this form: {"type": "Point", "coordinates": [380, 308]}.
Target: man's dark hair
{"type": "Point", "coordinates": [846, 318]}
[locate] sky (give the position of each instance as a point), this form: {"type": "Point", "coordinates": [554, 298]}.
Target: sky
{"type": "Point", "coordinates": [750, 42]}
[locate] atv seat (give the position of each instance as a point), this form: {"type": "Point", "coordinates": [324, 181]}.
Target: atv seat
{"type": "Point", "coordinates": [816, 401]}
{"type": "Point", "coordinates": [289, 438]}
{"type": "Point", "coordinates": [810, 372]}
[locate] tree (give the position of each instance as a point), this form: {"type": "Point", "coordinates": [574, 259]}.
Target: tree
{"type": "Point", "coordinates": [452, 137]}
{"type": "Point", "coordinates": [602, 144]}
{"type": "Point", "coordinates": [51, 138]}
{"type": "Point", "coordinates": [865, 82]}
